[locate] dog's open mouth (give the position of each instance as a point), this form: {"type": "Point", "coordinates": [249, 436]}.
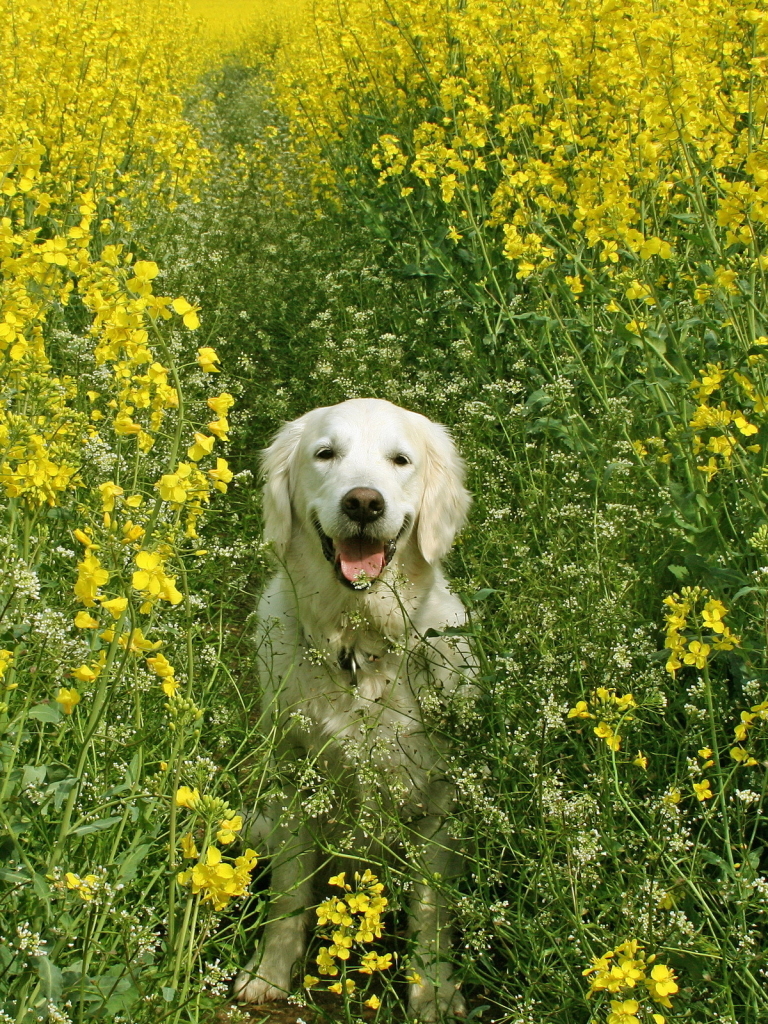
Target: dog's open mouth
{"type": "Point", "coordinates": [360, 560]}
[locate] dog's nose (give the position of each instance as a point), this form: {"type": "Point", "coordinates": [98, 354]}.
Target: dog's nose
{"type": "Point", "coordinates": [363, 504]}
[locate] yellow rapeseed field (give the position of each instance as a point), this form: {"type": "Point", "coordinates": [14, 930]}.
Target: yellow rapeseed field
{"type": "Point", "coordinates": [547, 223]}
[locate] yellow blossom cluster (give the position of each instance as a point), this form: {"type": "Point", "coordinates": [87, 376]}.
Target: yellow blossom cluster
{"type": "Point", "coordinates": [726, 427]}
{"type": "Point", "coordinates": [218, 881]}
{"type": "Point", "coordinates": [85, 887]}
{"type": "Point", "coordinates": [608, 708]}
{"type": "Point", "coordinates": [352, 918]}
{"type": "Point", "coordinates": [212, 876]}
{"type": "Point", "coordinates": [92, 137]}
{"type": "Point", "coordinates": [624, 970]}
{"type": "Point", "coordinates": [732, 403]}
{"type": "Point", "coordinates": [747, 721]}
{"type": "Point", "coordinates": [695, 628]}
{"type": "Point", "coordinates": [6, 661]}
{"type": "Point", "coordinates": [548, 135]}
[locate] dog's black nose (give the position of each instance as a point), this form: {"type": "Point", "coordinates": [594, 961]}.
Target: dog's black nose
{"type": "Point", "coordinates": [363, 504]}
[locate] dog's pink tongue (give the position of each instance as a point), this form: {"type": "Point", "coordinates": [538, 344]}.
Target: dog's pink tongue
{"type": "Point", "coordinates": [357, 556]}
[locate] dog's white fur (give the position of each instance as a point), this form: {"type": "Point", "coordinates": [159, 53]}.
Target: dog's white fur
{"type": "Point", "coordinates": [355, 664]}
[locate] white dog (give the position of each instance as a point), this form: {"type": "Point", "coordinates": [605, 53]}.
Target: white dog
{"type": "Point", "coordinates": [361, 502]}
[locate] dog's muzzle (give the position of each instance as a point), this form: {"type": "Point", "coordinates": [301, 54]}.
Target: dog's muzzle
{"type": "Point", "coordinates": [358, 560]}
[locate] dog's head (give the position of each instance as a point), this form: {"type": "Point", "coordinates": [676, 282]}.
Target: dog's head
{"type": "Point", "coordinates": [365, 477]}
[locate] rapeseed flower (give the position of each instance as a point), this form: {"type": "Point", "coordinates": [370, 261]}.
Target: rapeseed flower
{"type": "Point", "coordinates": [186, 797]}
{"type": "Point", "coordinates": [703, 790]}
{"type": "Point", "coordinates": [68, 699]}
{"type": "Point", "coordinates": [207, 359]}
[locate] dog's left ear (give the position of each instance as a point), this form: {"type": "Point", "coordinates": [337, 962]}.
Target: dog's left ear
{"type": "Point", "coordinates": [276, 468]}
{"type": "Point", "coordinates": [445, 501]}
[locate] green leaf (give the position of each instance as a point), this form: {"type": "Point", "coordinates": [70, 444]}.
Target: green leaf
{"type": "Point", "coordinates": [679, 572]}
{"type": "Point", "coordinates": [96, 826]}
{"type": "Point", "coordinates": [133, 769]}
{"type": "Point", "coordinates": [51, 979]}
{"type": "Point", "coordinates": [61, 791]}
{"type": "Point", "coordinates": [168, 993]}
{"type": "Point", "coordinates": [131, 861]}
{"type": "Point", "coordinates": [33, 775]}
{"type": "Point", "coordinates": [41, 887]}
{"type": "Point", "coordinates": [46, 712]}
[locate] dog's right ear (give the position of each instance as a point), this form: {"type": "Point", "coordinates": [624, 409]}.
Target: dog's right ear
{"type": "Point", "coordinates": [276, 468]}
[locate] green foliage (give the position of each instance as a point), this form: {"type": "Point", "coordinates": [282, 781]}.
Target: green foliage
{"type": "Point", "coordinates": [590, 508]}
{"type": "Point", "coordinates": [580, 526]}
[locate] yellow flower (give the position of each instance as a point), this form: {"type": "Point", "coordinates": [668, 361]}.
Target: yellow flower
{"type": "Point", "coordinates": [229, 829]}
{"type": "Point", "coordinates": [641, 760]}
{"type": "Point", "coordinates": [337, 989]}
{"type": "Point", "coordinates": [83, 674]}
{"type": "Point", "coordinates": [203, 446]}
{"type": "Point", "coordinates": [703, 790]}
{"type": "Point", "coordinates": [68, 699]}
{"type": "Point", "coordinates": [85, 621]}
{"type": "Point", "coordinates": [742, 756]}
{"type": "Point", "coordinates": [161, 666]}
{"type": "Point", "coordinates": [712, 616]}
{"type": "Point", "coordinates": [109, 491]}
{"type": "Point", "coordinates": [374, 1002]}
{"type": "Point", "coordinates": [221, 404]}
{"type": "Point", "coordinates": [624, 1012]}
{"type": "Point", "coordinates": [207, 359]}
{"type": "Point", "coordinates": [310, 980]}
{"type": "Point", "coordinates": [186, 797]}
{"type": "Point", "coordinates": [662, 984]}
{"type": "Point", "coordinates": [188, 313]}
{"type": "Point", "coordinates": [604, 732]}
{"type": "Point", "coordinates": [170, 686]}
{"type": "Point", "coordinates": [580, 710]}
{"type": "Point", "coordinates": [90, 576]}
{"type": "Point", "coordinates": [151, 579]}
{"type": "Point", "coordinates": [372, 962]}
{"type": "Point", "coordinates": [84, 887]}
{"type": "Point", "coordinates": [219, 427]}
{"type": "Point", "coordinates": [115, 606]}
{"type": "Point", "coordinates": [325, 962]}
{"type": "Point", "coordinates": [218, 881]}
{"type": "Point", "coordinates": [176, 486]}
{"type": "Point", "coordinates": [222, 475]}
{"type": "Point", "coordinates": [188, 848]}
{"type": "Point", "coordinates": [697, 654]}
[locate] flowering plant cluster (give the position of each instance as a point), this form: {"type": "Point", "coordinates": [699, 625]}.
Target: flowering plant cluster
{"type": "Point", "coordinates": [626, 970]}
{"type": "Point", "coordinates": [352, 919]}
{"type": "Point", "coordinates": [695, 629]}
{"type": "Point", "coordinates": [611, 711]}
{"type": "Point", "coordinates": [112, 435]}
{"type": "Point", "coordinates": [217, 881]}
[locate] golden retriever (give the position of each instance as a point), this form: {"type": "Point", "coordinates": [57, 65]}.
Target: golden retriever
{"type": "Point", "coordinates": [361, 501]}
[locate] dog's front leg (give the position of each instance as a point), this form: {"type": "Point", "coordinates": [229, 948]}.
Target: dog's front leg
{"type": "Point", "coordinates": [267, 975]}
{"type": "Point", "coordinates": [434, 994]}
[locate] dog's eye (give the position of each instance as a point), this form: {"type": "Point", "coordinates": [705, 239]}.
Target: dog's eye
{"type": "Point", "coordinates": [324, 453]}
{"type": "Point", "coordinates": [401, 460]}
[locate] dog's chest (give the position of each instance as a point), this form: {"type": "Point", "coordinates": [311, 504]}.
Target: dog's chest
{"type": "Point", "coordinates": [366, 727]}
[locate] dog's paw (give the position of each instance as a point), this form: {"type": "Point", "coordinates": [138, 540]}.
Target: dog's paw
{"type": "Point", "coordinates": [428, 1004]}
{"type": "Point", "coordinates": [263, 987]}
